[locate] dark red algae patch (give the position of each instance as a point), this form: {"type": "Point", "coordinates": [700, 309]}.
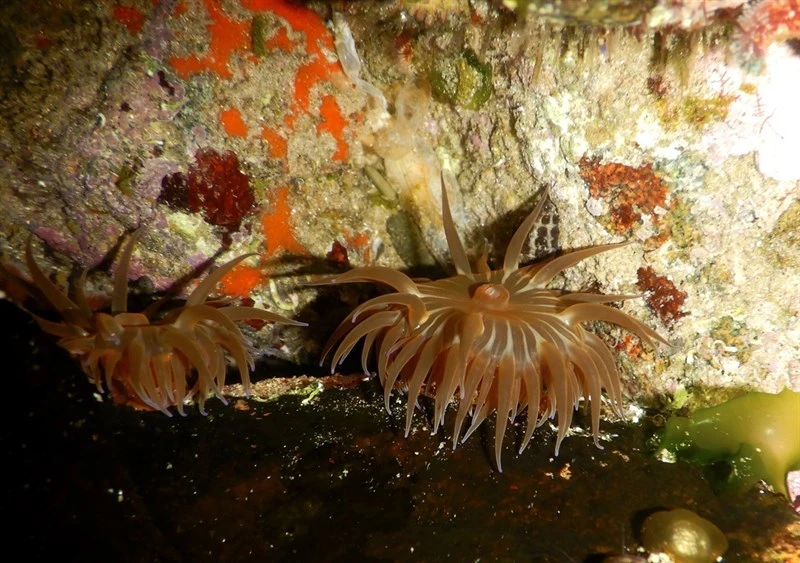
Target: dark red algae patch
{"type": "Point", "coordinates": [661, 295]}
{"type": "Point", "coordinates": [629, 191]}
{"type": "Point", "coordinates": [325, 476]}
{"type": "Point", "coordinates": [337, 255]}
{"type": "Point", "coordinates": [214, 186]}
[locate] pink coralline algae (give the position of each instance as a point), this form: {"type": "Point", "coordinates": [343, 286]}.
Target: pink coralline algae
{"type": "Point", "coordinates": [214, 186]}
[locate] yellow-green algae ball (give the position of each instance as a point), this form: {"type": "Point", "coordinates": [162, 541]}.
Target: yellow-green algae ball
{"type": "Point", "coordinates": [758, 434]}
{"type": "Point", "coordinates": [684, 536]}
{"type": "Point", "coordinates": [463, 81]}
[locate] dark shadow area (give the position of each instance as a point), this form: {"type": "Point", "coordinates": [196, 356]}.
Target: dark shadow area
{"type": "Point", "coordinates": [330, 479]}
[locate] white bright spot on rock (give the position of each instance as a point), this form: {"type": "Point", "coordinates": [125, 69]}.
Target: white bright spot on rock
{"type": "Point", "coordinates": [780, 136]}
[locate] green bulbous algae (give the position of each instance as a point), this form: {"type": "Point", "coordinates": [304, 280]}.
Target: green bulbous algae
{"type": "Point", "coordinates": [758, 434]}
{"type": "Point", "coordinates": [683, 535]}
{"type": "Point", "coordinates": [463, 81]}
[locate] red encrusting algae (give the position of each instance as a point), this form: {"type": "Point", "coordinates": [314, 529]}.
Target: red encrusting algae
{"type": "Point", "coordinates": [132, 18]}
{"type": "Point", "coordinates": [280, 41]}
{"type": "Point", "coordinates": [300, 19]}
{"type": "Point", "coordinates": [278, 229]}
{"type": "Point", "coordinates": [361, 244]}
{"type": "Point", "coordinates": [227, 37]}
{"type": "Point", "coordinates": [214, 185]}
{"type": "Point", "coordinates": [306, 78]}
{"type": "Point", "coordinates": [629, 345]}
{"type": "Point", "coordinates": [333, 123]}
{"type": "Point", "coordinates": [278, 238]}
{"type": "Point", "coordinates": [233, 123]}
{"type": "Point", "coordinates": [338, 255]}
{"type": "Point", "coordinates": [240, 281]}
{"type": "Point", "coordinates": [278, 147]}
{"type": "Point", "coordinates": [230, 36]}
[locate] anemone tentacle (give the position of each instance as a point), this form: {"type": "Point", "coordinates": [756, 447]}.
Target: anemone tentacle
{"type": "Point", "coordinates": [152, 360]}
{"type": "Point", "coordinates": [495, 340]}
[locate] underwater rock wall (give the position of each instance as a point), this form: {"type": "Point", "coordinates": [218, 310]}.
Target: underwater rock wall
{"type": "Point", "coordinates": [228, 126]}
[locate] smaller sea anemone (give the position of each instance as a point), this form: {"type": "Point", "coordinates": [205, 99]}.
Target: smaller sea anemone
{"type": "Point", "coordinates": [498, 340]}
{"type": "Point", "coordinates": [154, 359]}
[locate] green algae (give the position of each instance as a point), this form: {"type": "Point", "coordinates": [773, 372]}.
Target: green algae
{"type": "Point", "coordinates": [757, 435]}
{"type": "Point", "coordinates": [259, 34]}
{"type": "Point", "coordinates": [702, 111]}
{"type": "Point", "coordinates": [695, 111]}
{"type": "Point", "coordinates": [680, 397]}
{"type": "Point", "coordinates": [682, 230]}
{"type": "Point", "coordinates": [464, 81]}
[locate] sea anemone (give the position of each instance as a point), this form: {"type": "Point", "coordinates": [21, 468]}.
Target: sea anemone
{"type": "Point", "coordinates": [499, 340]}
{"type": "Point", "coordinates": [155, 359]}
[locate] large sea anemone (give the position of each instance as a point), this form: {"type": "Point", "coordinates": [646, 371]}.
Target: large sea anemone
{"type": "Point", "coordinates": [155, 359]}
{"type": "Point", "coordinates": [498, 340]}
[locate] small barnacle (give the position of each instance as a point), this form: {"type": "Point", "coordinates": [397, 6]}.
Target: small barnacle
{"type": "Point", "coordinates": [154, 359]}
{"type": "Point", "coordinates": [284, 300]}
{"type": "Point", "coordinates": [498, 340]}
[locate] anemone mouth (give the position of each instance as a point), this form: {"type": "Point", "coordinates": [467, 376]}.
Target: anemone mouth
{"type": "Point", "coordinates": [491, 295]}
